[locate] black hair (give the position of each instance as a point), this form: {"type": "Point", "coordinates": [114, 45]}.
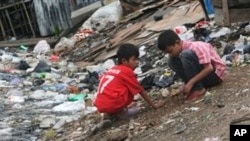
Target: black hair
{"type": "Point", "coordinates": [126, 51]}
{"type": "Point", "coordinates": [167, 38]}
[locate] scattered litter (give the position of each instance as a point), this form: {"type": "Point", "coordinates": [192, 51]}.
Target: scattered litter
{"type": "Point", "coordinates": [212, 139]}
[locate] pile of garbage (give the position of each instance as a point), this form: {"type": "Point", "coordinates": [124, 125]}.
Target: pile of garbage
{"type": "Point", "coordinates": [40, 91]}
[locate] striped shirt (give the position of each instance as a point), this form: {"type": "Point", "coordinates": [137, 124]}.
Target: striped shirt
{"type": "Point", "coordinates": [206, 54]}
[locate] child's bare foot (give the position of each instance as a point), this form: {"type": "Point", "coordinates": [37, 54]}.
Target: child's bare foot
{"type": "Point", "coordinates": [195, 95]}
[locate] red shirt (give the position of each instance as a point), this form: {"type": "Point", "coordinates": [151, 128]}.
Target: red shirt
{"type": "Point", "coordinates": [206, 53]}
{"type": "Point", "coordinates": [116, 89]}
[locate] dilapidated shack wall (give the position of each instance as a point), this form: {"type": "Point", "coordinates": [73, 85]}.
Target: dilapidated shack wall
{"type": "Point", "coordinates": [34, 18]}
{"type": "Point", "coordinates": [52, 16]}
{"type": "Point", "coordinates": [17, 20]}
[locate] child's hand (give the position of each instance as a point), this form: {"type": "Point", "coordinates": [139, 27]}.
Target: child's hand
{"type": "Point", "coordinates": [160, 104]}
{"type": "Point", "coordinates": [187, 88]}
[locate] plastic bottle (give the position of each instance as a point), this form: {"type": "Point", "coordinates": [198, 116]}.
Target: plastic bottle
{"type": "Point", "coordinates": [49, 88]}
{"type": "Point", "coordinates": [23, 48]}
{"type": "Point", "coordinates": [79, 97]}
{"type": "Point", "coordinates": [39, 75]}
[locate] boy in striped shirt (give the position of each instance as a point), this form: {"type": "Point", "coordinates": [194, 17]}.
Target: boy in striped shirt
{"type": "Point", "coordinates": [196, 63]}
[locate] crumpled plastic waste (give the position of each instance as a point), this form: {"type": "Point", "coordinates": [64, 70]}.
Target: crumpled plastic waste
{"type": "Point", "coordinates": [79, 97]}
{"type": "Point", "coordinates": [92, 78]}
{"type": "Point", "coordinates": [148, 82]}
{"type": "Point", "coordinates": [37, 82]}
{"type": "Point", "coordinates": [202, 34]}
{"type": "Point", "coordinates": [223, 31]}
{"type": "Point", "coordinates": [7, 77]}
{"type": "Point", "coordinates": [166, 79]}
{"type": "Point", "coordinates": [42, 67]}
{"type": "Point", "coordinates": [41, 47]}
{"type": "Point", "coordinates": [23, 65]}
{"type": "Point", "coordinates": [82, 34]}
{"type": "Point", "coordinates": [228, 49]}
{"type": "Point", "coordinates": [146, 67]}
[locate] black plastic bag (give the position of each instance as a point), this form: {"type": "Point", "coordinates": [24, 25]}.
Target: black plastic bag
{"type": "Point", "coordinates": [42, 67]}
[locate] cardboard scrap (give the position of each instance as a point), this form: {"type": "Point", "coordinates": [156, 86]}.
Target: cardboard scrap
{"type": "Point", "coordinates": [189, 13]}
{"type": "Point", "coordinates": [126, 33]}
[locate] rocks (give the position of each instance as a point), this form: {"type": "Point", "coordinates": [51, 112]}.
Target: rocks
{"type": "Point", "coordinates": [6, 131]}
{"type": "Point", "coordinates": [180, 128]}
{"type": "Point", "coordinates": [165, 92]}
{"type": "Point", "coordinates": [59, 124]}
{"type": "Point", "coordinates": [212, 139]}
{"type": "Point", "coordinates": [16, 99]}
{"type": "Point", "coordinates": [117, 135]}
{"type": "Point", "coordinates": [48, 122]}
{"type": "Point", "coordinates": [38, 95]}
{"type": "Point", "coordinates": [245, 90]}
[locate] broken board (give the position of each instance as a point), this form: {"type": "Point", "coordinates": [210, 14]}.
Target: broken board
{"type": "Point", "coordinates": [120, 36]}
{"type": "Point", "coordinates": [189, 13]}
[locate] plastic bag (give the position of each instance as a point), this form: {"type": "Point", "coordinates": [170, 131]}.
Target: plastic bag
{"type": "Point", "coordinates": [23, 65]}
{"type": "Point", "coordinates": [148, 82]}
{"type": "Point", "coordinates": [79, 97]}
{"type": "Point", "coordinates": [70, 107]}
{"type": "Point", "coordinates": [64, 43]}
{"type": "Point", "coordinates": [42, 67]}
{"type": "Point", "coordinates": [166, 79]}
{"type": "Point", "coordinates": [41, 47]}
{"type": "Point", "coordinates": [110, 13]}
{"type": "Point", "coordinates": [223, 31]}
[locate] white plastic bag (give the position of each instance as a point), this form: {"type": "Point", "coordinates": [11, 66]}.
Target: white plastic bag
{"type": "Point", "coordinates": [41, 47]}
{"type": "Point", "coordinates": [108, 64]}
{"type": "Point", "coordinates": [69, 107]}
{"type": "Point", "coordinates": [223, 31]}
{"type": "Point", "coordinates": [110, 13]}
{"type": "Point", "coordinates": [64, 43]}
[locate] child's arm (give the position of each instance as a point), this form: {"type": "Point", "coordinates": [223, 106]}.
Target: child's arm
{"type": "Point", "coordinates": [208, 68]}
{"type": "Point", "coordinates": [149, 101]}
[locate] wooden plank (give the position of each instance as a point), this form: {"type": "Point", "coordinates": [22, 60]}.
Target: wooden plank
{"type": "Point", "coordinates": [27, 42]}
{"type": "Point", "coordinates": [189, 13]}
{"type": "Point", "coordinates": [234, 15]}
{"type": "Point", "coordinates": [8, 6]}
{"type": "Point", "coordinates": [126, 33]}
{"type": "Point", "coordinates": [141, 11]}
{"type": "Point", "coordinates": [232, 3]}
{"type": "Point", "coordinates": [25, 26]}
{"type": "Point", "coordinates": [2, 29]}
{"type": "Point", "coordinates": [11, 25]}
{"type": "Point", "coordinates": [93, 51]}
{"type": "Point", "coordinates": [106, 55]}
{"type": "Point", "coordinates": [28, 17]}
{"type": "Point", "coordinates": [82, 64]}
{"type": "Point", "coordinates": [144, 34]}
{"type": "Point", "coordinates": [5, 23]}
{"type": "Point", "coordinates": [225, 10]}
